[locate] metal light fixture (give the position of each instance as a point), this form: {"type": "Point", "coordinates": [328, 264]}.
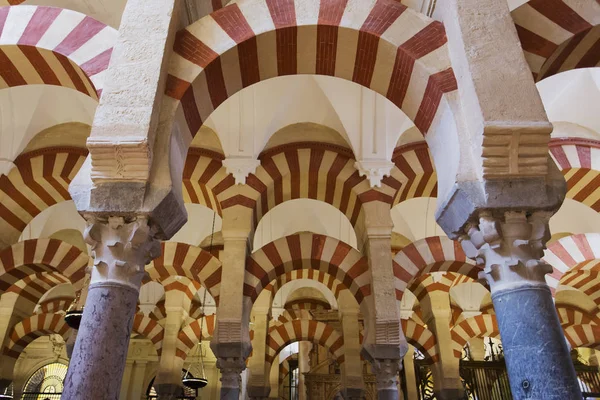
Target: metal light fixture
{"type": "Point", "coordinates": [74, 314]}
{"type": "Point", "coordinates": [188, 379]}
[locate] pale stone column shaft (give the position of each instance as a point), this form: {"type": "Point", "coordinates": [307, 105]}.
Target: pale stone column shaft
{"type": "Point", "coordinates": [384, 344]}
{"type": "Point", "coordinates": [126, 384]}
{"type": "Point", "coordinates": [120, 248]}
{"type": "Point", "coordinates": [258, 384]}
{"type": "Point", "coordinates": [437, 314]}
{"type": "Point", "coordinates": [353, 385]}
{"type": "Point", "coordinates": [510, 245]}
{"type": "Point", "coordinates": [304, 349]}
{"type": "Point", "coordinates": [8, 302]}
{"type": "Point", "coordinates": [409, 373]}
{"type": "Point", "coordinates": [137, 390]}
{"type": "Point", "coordinates": [477, 349]}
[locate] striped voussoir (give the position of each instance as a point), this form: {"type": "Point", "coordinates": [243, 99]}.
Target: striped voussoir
{"type": "Point", "coordinates": [569, 314]}
{"type": "Point", "coordinates": [414, 175]}
{"type": "Point", "coordinates": [33, 287]}
{"type": "Point", "coordinates": [159, 312]}
{"type": "Point", "coordinates": [182, 284]}
{"type": "Point", "coordinates": [284, 366]}
{"type": "Point", "coordinates": [379, 44]}
{"type": "Point", "coordinates": [54, 46]}
{"type": "Point", "coordinates": [41, 179]}
{"type": "Point", "coordinates": [35, 256]}
{"type": "Point", "coordinates": [575, 252]}
{"type": "Point", "coordinates": [429, 283]}
{"type": "Point", "coordinates": [583, 336]}
{"type": "Point", "coordinates": [204, 178]}
{"type": "Point", "coordinates": [307, 251]}
{"type": "Point", "coordinates": [32, 328]}
{"type": "Point", "coordinates": [56, 305]}
{"type": "Point", "coordinates": [422, 338]}
{"type": "Point", "coordinates": [308, 330]}
{"type": "Point", "coordinates": [291, 315]}
{"type": "Point", "coordinates": [182, 259]}
{"type": "Point", "coordinates": [432, 254]}
{"type": "Point", "coordinates": [579, 161]}
{"type": "Point", "coordinates": [307, 304]}
{"type": "Point", "coordinates": [189, 336]}
{"type": "Point", "coordinates": [323, 277]}
{"type": "Point", "coordinates": [484, 325]}
{"type": "Point", "coordinates": [195, 309]}
{"type": "Point", "coordinates": [553, 35]}
{"type": "Point", "coordinates": [150, 329]}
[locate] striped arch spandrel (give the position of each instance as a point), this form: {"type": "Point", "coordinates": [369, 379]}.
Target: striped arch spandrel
{"type": "Point", "coordinates": [307, 252]}
{"type": "Point", "coordinates": [54, 46]}
{"type": "Point", "coordinates": [579, 161]}
{"type": "Point", "coordinates": [32, 328]}
{"type": "Point", "coordinates": [36, 256]}
{"type": "Point", "coordinates": [432, 254]}
{"type": "Point", "coordinates": [421, 338]}
{"type": "Point", "coordinates": [586, 335]}
{"type": "Point", "coordinates": [39, 180]}
{"type": "Point", "coordinates": [189, 336]}
{"type": "Point", "coordinates": [194, 263]}
{"type": "Point", "coordinates": [32, 288]}
{"type": "Point", "coordinates": [558, 35]}
{"type": "Point", "coordinates": [570, 315]}
{"type": "Point", "coordinates": [574, 255]}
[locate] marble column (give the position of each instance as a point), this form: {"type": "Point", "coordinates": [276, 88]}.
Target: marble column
{"type": "Point", "coordinates": [386, 372]}
{"type": "Point", "coordinates": [8, 318]}
{"type": "Point", "coordinates": [511, 244]}
{"type": "Point", "coordinates": [409, 373]}
{"type": "Point", "coordinates": [258, 383]}
{"type": "Point", "coordinates": [120, 248]}
{"type": "Point", "coordinates": [437, 314]}
{"type": "Point", "coordinates": [231, 370]}
{"type": "Point", "coordinates": [353, 386]}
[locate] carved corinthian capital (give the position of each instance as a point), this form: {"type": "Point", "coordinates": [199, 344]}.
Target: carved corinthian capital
{"type": "Point", "coordinates": [121, 248]}
{"type": "Point", "coordinates": [511, 246]}
{"type": "Point", "coordinates": [386, 371]}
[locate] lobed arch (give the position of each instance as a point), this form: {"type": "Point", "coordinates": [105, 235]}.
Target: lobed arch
{"type": "Point", "coordinates": [34, 256]}
{"type": "Point", "coordinates": [421, 338]}
{"type": "Point", "coordinates": [583, 336]}
{"type": "Point", "coordinates": [551, 32]}
{"type": "Point", "coordinates": [32, 328]}
{"type": "Point", "coordinates": [432, 254]}
{"type": "Point", "coordinates": [474, 327]}
{"type": "Point", "coordinates": [568, 253]}
{"type": "Point", "coordinates": [414, 175]}
{"type": "Point", "coordinates": [150, 329]}
{"type": "Point", "coordinates": [304, 330]}
{"type": "Point", "coordinates": [33, 287]}
{"type": "Point", "coordinates": [41, 179]}
{"type": "Point", "coordinates": [570, 314]}
{"type": "Point", "coordinates": [307, 251]}
{"type": "Point", "coordinates": [182, 259]}
{"type": "Point", "coordinates": [579, 161]}
{"type": "Point", "coordinates": [189, 335]}
{"type": "Point", "coordinates": [58, 46]}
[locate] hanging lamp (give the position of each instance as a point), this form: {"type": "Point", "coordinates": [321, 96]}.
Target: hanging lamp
{"type": "Point", "coordinates": [189, 380]}
{"type": "Point", "coordinates": [74, 313]}
{"type": "Point", "coordinates": [7, 395]}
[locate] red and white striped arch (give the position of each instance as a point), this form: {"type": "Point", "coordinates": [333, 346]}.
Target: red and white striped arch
{"type": "Point", "coordinates": [32, 328]}
{"type": "Point", "coordinates": [428, 283]}
{"type": "Point", "coordinates": [307, 251]}
{"type": "Point", "coordinates": [307, 304]}
{"type": "Point", "coordinates": [159, 312]}
{"type": "Point", "coordinates": [33, 287]}
{"type": "Point", "coordinates": [41, 255]}
{"type": "Point", "coordinates": [422, 338]}
{"type": "Point", "coordinates": [579, 161]}
{"type": "Point", "coordinates": [41, 179]}
{"type": "Point", "coordinates": [432, 254]}
{"type": "Point", "coordinates": [182, 284]}
{"type": "Point", "coordinates": [568, 253]}
{"type": "Point", "coordinates": [414, 175]}
{"type": "Point", "coordinates": [556, 35]}
{"type": "Point", "coordinates": [379, 44]}
{"type": "Point", "coordinates": [583, 336]}
{"type": "Point", "coordinates": [182, 259]}
{"type": "Point", "coordinates": [55, 305]}
{"type": "Point", "coordinates": [299, 330]}
{"type": "Point", "coordinates": [150, 329]}
{"type": "Point", "coordinates": [53, 46]}
{"type": "Point", "coordinates": [570, 315]}
{"type": "Point", "coordinates": [189, 336]}
{"type": "Point", "coordinates": [323, 277]}
{"type": "Point", "coordinates": [291, 315]}
{"type": "Point", "coordinates": [205, 178]}
{"type": "Point", "coordinates": [474, 327]}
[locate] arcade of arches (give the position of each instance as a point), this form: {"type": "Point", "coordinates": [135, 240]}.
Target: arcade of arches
{"type": "Point", "coordinates": [299, 199]}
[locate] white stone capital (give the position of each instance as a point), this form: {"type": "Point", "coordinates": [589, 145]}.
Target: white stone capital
{"type": "Point", "coordinates": [374, 170]}
{"type": "Point", "coordinates": [121, 248]}
{"type": "Point", "coordinates": [240, 168]}
{"type": "Point", "coordinates": [510, 245]}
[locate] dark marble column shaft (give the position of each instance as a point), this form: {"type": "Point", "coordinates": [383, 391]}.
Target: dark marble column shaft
{"type": "Point", "coordinates": [536, 353]}
{"type": "Point", "coordinates": [96, 368]}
